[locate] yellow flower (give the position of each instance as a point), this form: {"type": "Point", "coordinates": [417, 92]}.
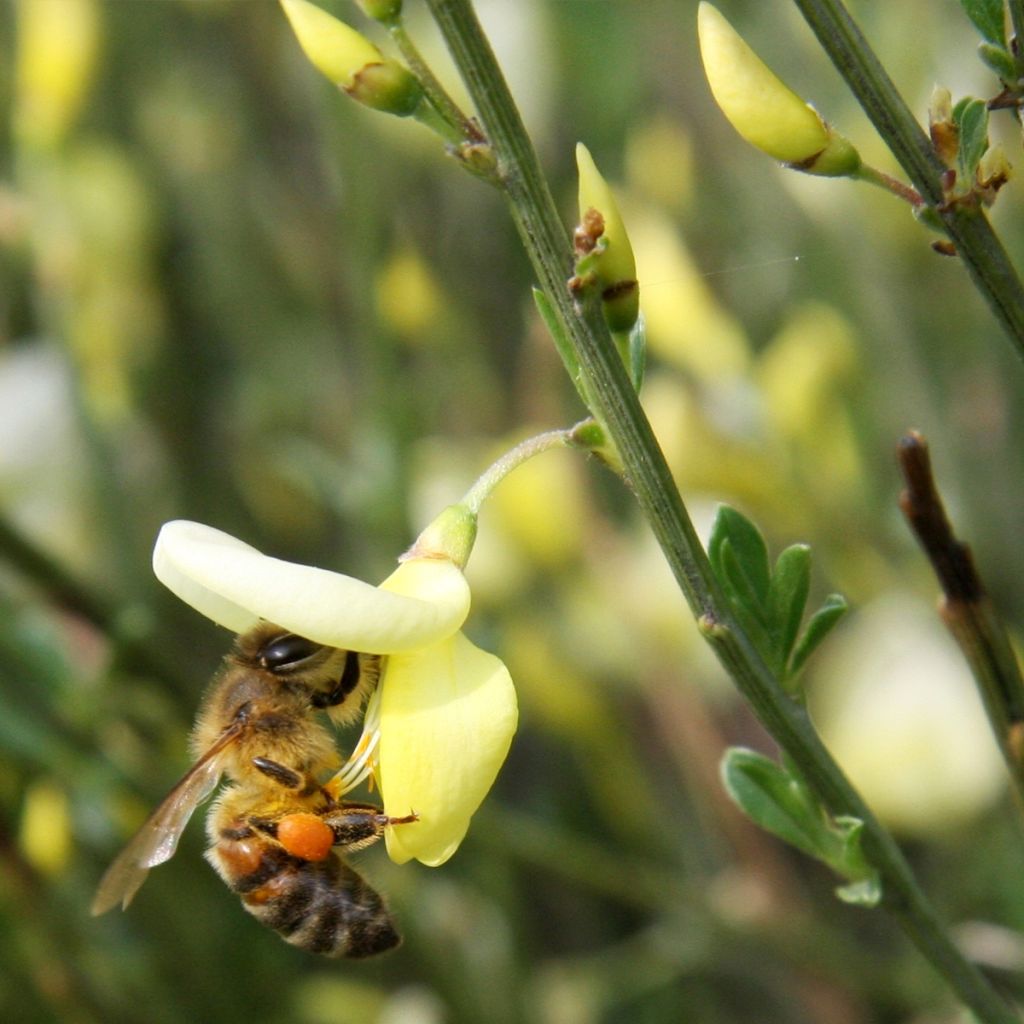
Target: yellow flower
{"type": "Point", "coordinates": [765, 111]}
{"type": "Point", "coordinates": [441, 720]}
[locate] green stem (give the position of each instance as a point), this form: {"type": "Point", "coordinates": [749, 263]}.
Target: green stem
{"type": "Point", "coordinates": [966, 224]}
{"type": "Point", "coordinates": [468, 130]}
{"type": "Point", "coordinates": [617, 407]}
{"type": "Point", "coordinates": [1017, 21]}
{"type": "Point", "coordinates": [514, 457]}
{"type": "Point", "coordinates": [430, 117]}
{"type": "Point", "coordinates": [900, 189]}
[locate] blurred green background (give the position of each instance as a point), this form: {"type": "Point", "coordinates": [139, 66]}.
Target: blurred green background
{"type": "Point", "coordinates": [231, 295]}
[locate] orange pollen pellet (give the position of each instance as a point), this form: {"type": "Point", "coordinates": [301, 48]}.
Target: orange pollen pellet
{"type": "Point", "coordinates": [305, 835]}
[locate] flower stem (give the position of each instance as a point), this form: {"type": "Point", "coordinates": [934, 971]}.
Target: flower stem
{"type": "Point", "coordinates": [966, 224]}
{"type": "Point", "coordinates": [467, 128]}
{"type": "Point", "coordinates": [616, 406]}
{"type": "Point", "coordinates": [430, 117]}
{"type": "Point", "coordinates": [1017, 21]}
{"type": "Point", "coordinates": [966, 607]}
{"type": "Point", "coordinates": [900, 189]}
{"type": "Point", "coordinates": [479, 492]}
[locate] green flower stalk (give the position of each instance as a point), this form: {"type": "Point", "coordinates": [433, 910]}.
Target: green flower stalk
{"type": "Point", "coordinates": [602, 245]}
{"type": "Point", "coordinates": [352, 62]}
{"type": "Point", "coordinates": [765, 111]}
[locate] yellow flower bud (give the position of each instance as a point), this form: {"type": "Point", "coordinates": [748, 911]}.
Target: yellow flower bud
{"type": "Point", "coordinates": [54, 65]}
{"type": "Point", "coordinates": [352, 62]}
{"type": "Point", "coordinates": [765, 111]}
{"type": "Point", "coordinates": [602, 235]}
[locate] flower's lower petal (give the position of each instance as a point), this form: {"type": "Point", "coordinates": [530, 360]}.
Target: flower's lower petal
{"type": "Point", "coordinates": [235, 585]}
{"type": "Point", "coordinates": [448, 713]}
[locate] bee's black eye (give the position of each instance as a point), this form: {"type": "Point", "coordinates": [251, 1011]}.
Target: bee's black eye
{"type": "Point", "coordinates": [287, 652]}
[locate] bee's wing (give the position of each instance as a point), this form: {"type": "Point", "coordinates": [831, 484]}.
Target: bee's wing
{"type": "Point", "coordinates": [158, 837]}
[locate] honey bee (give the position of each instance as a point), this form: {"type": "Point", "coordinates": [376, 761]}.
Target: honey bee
{"type": "Point", "coordinates": [274, 830]}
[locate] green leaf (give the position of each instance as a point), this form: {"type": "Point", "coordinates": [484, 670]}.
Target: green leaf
{"type": "Point", "coordinates": [1001, 62]}
{"type": "Point", "coordinates": [774, 800]}
{"type": "Point", "coordinates": [637, 348]}
{"type": "Point", "coordinates": [746, 602]}
{"type": "Point", "coordinates": [971, 117]}
{"type": "Point", "coordinates": [851, 861]}
{"type": "Point", "coordinates": [749, 551]}
{"type": "Point", "coordinates": [987, 16]}
{"type": "Point", "coordinates": [777, 801]}
{"type": "Point", "coordinates": [562, 343]}
{"type": "Point", "coordinates": [787, 598]}
{"type": "Point", "coordinates": [819, 626]}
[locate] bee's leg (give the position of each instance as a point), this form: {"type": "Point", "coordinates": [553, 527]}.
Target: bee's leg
{"type": "Point", "coordinates": [345, 685]}
{"type": "Point", "coordinates": [285, 776]}
{"type": "Point", "coordinates": [358, 825]}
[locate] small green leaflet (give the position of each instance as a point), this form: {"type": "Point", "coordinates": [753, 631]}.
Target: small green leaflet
{"type": "Point", "coordinates": [769, 602]}
{"type": "Point", "coordinates": [778, 801]}
{"type": "Point", "coordinates": [987, 16]}
{"type": "Point", "coordinates": [971, 118]}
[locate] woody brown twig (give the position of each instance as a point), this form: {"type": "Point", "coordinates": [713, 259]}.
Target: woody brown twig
{"type": "Point", "coordinates": [965, 606]}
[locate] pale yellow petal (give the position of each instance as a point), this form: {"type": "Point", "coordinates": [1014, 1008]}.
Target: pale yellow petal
{"type": "Point", "coordinates": [234, 584]}
{"type": "Point", "coordinates": [448, 714]}
{"type": "Point", "coordinates": [333, 48]}
{"type": "Point", "coordinates": [767, 113]}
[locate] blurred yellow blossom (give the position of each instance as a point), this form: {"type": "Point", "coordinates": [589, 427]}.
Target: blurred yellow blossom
{"type": "Point", "coordinates": [541, 510]}
{"type": "Point", "coordinates": [668, 178]}
{"type": "Point", "coordinates": [45, 833]}
{"type": "Point", "coordinates": [409, 297]}
{"type": "Point", "coordinates": [897, 706]}
{"type": "Point", "coordinates": [58, 45]}
{"type": "Point", "coordinates": [805, 375]}
{"type": "Point", "coordinates": [685, 324]}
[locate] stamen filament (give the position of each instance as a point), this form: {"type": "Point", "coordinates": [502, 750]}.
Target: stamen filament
{"type": "Point", "coordinates": [362, 761]}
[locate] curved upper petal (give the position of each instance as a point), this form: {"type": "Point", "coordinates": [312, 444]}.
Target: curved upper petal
{"type": "Point", "coordinates": [423, 601]}
{"type": "Point", "coordinates": [448, 714]}
{"type": "Point", "coordinates": [765, 111]}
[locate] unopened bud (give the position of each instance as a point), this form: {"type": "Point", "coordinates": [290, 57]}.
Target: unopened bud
{"type": "Point", "coordinates": [765, 111]}
{"type": "Point", "coordinates": [352, 62]}
{"type": "Point", "coordinates": [992, 173]}
{"type": "Point", "coordinates": [601, 239]}
{"type": "Point", "coordinates": [942, 128]}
